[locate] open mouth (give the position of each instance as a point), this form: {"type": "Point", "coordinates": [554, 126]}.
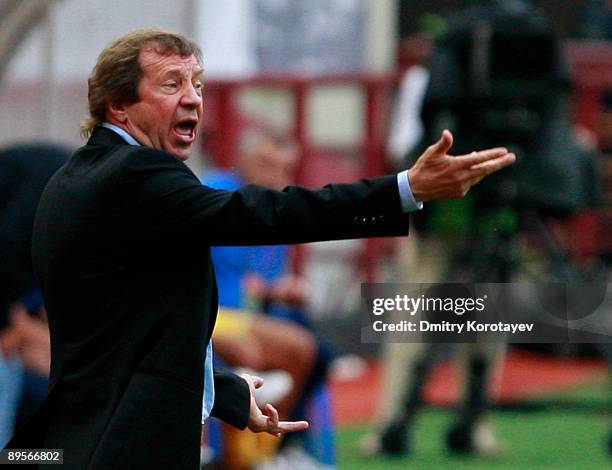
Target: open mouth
{"type": "Point", "coordinates": [186, 129]}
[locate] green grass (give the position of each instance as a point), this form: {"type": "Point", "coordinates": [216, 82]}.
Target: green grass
{"type": "Point", "coordinates": [536, 440]}
{"type": "Point", "coordinates": [596, 393]}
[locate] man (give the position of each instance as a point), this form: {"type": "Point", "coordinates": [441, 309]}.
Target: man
{"type": "Point", "coordinates": [126, 227]}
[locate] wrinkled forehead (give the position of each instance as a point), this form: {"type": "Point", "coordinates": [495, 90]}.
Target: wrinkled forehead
{"type": "Point", "coordinates": [155, 60]}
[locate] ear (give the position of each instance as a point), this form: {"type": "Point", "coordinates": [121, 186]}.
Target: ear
{"type": "Point", "coordinates": [116, 111]}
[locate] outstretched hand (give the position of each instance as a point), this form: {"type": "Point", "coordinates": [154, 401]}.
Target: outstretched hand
{"type": "Point", "coordinates": [268, 422]}
{"type": "Point", "coordinates": [437, 175]}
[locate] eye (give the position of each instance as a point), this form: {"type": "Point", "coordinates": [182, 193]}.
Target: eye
{"type": "Point", "coordinates": [170, 85]}
{"type": "Point", "coordinates": [199, 86]}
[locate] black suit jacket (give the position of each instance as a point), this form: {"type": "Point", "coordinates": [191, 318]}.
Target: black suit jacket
{"type": "Point", "coordinates": [121, 248]}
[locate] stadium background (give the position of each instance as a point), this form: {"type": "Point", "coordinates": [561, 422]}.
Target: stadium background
{"type": "Point", "coordinates": [331, 86]}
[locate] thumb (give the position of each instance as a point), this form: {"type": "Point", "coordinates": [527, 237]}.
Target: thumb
{"type": "Point", "coordinates": [444, 144]}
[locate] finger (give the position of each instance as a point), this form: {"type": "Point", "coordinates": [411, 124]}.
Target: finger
{"type": "Point", "coordinates": [444, 144]}
{"type": "Point", "coordinates": [257, 381]}
{"type": "Point", "coordinates": [490, 166]}
{"type": "Point", "coordinates": [476, 158]}
{"type": "Point", "coordinates": [272, 424]}
{"type": "Point", "coordinates": [292, 426]}
{"type": "Point", "coordinates": [272, 415]}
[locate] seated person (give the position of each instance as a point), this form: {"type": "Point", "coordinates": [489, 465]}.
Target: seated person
{"type": "Point", "coordinates": [253, 279]}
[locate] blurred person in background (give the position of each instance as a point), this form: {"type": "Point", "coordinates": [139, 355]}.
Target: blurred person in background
{"type": "Point", "coordinates": [257, 279]}
{"type": "Point", "coordinates": [495, 74]}
{"type": "Point", "coordinates": [125, 228]}
{"type": "Point", "coordinates": [24, 335]}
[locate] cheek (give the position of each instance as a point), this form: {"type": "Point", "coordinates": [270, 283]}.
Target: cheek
{"type": "Point", "coordinates": [163, 113]}
{"type": "Point", "coordinates": [167, 114]}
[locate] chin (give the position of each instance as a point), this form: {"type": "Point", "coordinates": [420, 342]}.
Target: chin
{"type": "Point", "coordinates": [182, 154]}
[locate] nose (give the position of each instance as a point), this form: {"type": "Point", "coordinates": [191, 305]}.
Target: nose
{"type": "Point", "coordinates": [191, 97]}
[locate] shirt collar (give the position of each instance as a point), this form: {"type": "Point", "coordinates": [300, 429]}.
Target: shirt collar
{"type": "Point", "coordinates": [127, 137]}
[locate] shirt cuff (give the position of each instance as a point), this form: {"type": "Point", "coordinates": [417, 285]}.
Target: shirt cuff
{"type": "Point", "coordinates": [409, 203]}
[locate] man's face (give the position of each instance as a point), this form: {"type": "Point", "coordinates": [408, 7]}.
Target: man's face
{"type": "Point", "coordinates": [269, 164]}
{"type": "Point", "coordinates": [169, 110]}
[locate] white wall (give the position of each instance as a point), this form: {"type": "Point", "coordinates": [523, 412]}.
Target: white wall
{"type": "Point", "coordinates": [44, 97]}
{"type": "Point", "coordinates": [80, 30]}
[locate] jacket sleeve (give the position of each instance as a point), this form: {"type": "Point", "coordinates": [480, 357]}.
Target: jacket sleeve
{"type": "Point", "coordinates": [169, 199]}
{"type": "Point", "coordinates": [232, 398]}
